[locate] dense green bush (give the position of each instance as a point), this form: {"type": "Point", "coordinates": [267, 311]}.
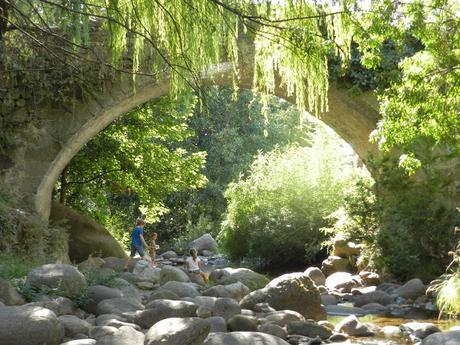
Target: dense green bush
{"type": "Point", "coordinates": [407, 224]}
{"type": "Point", "coordinates": [276, 212]}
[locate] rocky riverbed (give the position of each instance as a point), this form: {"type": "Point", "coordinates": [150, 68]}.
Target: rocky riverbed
{"type": "Point", "coordinates": [97, 303]}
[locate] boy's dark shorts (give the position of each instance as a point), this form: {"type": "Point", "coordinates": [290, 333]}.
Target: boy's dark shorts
{"type": "Point", "coordinates": [139, 249]}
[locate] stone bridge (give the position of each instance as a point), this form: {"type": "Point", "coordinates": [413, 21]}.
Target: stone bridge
{"type": "Point", "coordinates": [61, 133]}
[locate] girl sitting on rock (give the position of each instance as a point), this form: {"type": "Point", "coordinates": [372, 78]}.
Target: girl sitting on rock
{"type": "Point", "coordinates": [194, 265]}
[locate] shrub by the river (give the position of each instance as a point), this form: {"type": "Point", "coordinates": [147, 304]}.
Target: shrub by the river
{"type": "Point", "coordinates": [276, 212]}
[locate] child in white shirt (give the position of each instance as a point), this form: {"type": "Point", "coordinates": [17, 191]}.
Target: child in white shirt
{"type": "Point", "coordinates": [194, 265]}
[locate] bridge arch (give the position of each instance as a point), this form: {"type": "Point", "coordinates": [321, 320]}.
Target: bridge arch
{"type": "Point", "coordinates": [64, 132]}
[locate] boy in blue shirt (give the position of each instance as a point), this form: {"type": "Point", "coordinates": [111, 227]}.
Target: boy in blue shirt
{"type": "Point", "coordinates": [137, 241]}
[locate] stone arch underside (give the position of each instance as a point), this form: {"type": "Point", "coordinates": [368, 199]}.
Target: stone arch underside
{"type": "Point", "coordinates": [64, 134]}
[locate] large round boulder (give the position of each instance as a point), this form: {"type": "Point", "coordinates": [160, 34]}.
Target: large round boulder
{"type": "Point", "coordinates": [228, 275]}
{"type": "Point", "coordinates": [243, 338]}
{"type": "Point", "coordinates": [178, 331]}
{"type": "Point", "coordinates": [205, 242]}
{"type": "Point", "coordinates": [164, 309]}
{"type": "Point", "coordinates": [28, 325]}
{"type": "Point", "coordinates": [380, 297]}
{"type": "Point", "coordinates": [412, 289]}
{"type": "Point", "coordinates": [86, 237]}
{"type": "Point", "coordinates": [181, 289]}
{"type": "Point", "coordinates": [118, 306]}
{"type": "Point", "coordinates": [124, 336]}
{"type": "Point", "coordinates": [64, 280]}
{"type": "Point", "coordinates": [9, 295]}
{"type": "Point", "coordinates": [171, 273]}
{"type": "Point", "coordinates": [444, 338]}
{"type": "Point", "coordinates": [335, 264]}
{"type": "Point", "coordinates": [342, 281]}
{"type": "Point", "coordinates": [345, 249]}
{"type": "Point", "coordinates": [98, 293]}
{"type": "Point", "coordinates": [236, 291]}
{"type": "Point", "coordinates": [294, 291]}
{"type": "Point", "coordinates": [316, 275]}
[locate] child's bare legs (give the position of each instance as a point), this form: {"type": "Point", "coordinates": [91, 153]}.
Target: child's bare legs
{"type": "Point", "coordinates": [204, 276]}
{"type": "Point", "coordinates": [128, 260]}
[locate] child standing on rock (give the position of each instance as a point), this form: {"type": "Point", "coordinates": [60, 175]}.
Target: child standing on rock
{"type": "Point", "coordinates": [153, 247]}
{"type": "Point", "coordinates": [137, 242]}
{"type": "Point", "coordinates": [194, 265]}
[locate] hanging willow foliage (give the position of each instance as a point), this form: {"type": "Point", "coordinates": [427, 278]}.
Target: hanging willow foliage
{"type": "Point", "coordinates": [293, 38]}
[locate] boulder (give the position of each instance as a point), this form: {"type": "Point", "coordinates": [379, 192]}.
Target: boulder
{"type": "Point", "coordinates": [244, 323]}
{"type": "Point", "coordinates": [29, 325]}
{"type": "Point", "coordinates": [308, 329]}
{"type": "Point", "coordinates": [181, 289]}
{"type": "Point", "coordinates": [444, 338]}
{"type": "Point", "coordinates": [263, 308]}
{"type": "Point", "coordinates": [315, 274]}
{"type": "Point", "coordinates": [369, 278]}
{"type": "Point", "coordinates": [64, 280]}
{"type": "Point", "coordinates": [391, 332]}
{"type": "Point", "coordinates": [90, 265]}
{"type": "Point", "coordinates": [163, 294]}
{"type": "Point", "coordinates": [171, 273]}
{"type": "Point", "coordinates": [226, 307]}
{"type": "Point", "coordinates": [178, 331]}
{"type": "Point", "coordinates": [163, 309]}
{"type": "Point", "coordinates": [243, 338]}
{"type": "Point", "coordinates": [144, 272]}
{"type": "Point", "coordinates": [80, 342]}
{"type": "Point", "coordinates": [123, 336]}
{"type": "Point", "coordinates": [9, 295]}
{"type": "Point", "coordinates": [249, 278]}
{"type": "Point", "coordinates": [283, 317]}
{"type": "Point", "coordinates": [86, 237]}
{"type": "Point", "coordinates": [204, 312]}
{"type": "Point", "coordinates": [380, 297]}
{"type": "Point", "coordinates": [353, 327]}
{"type": "Point", "coordinates": [118, 306]}
{"type": "Point", "coordinates": [205, 242]}
{"type": "Point", "coordinates": [203, 301]}
{"type": "Point", "coordinates": [217, 324]}
{"type": "Point", "coordinates": [98, 293]}
{"type": "Point", "coordinates": [419, 330]}
{"type": "Point", "coordinates": [327, 299]}
{"type": "Point", "coordinates": [411, 290]}
{"type": "Point", "coordinates": [236, 291]}
{"type": "Point", "coordinates": [342, 281]}
{"type": "Point", "coordinates": [57, 304]}
{"type": "Point", "coordinates": [374, 308]}
{"type": "Point", "coordinates": [342, 310]}
{"type": "Point", "coordinates": [294, 291]}
{"type": "Point", "coordinates": [101, 331]}
{"type": "Point", "coordinates": [335, 264]}
{"type": "Point", "coordinates": [73, 325]}
{"type": "Point", "coordinates": [273, 329]}
{"type": "Point", "coordinates": [169, 255]}
{"type": "Point", "coordinates": [118, 264]}
{"type": "Point", "coordinates": [345, 249]}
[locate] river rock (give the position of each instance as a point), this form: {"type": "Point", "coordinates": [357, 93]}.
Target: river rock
{"type": "Point", "coordinates": [263, 308]}
{"type": "Point", "coordinates": [308, 329]}
{"type": "Point", "coordinates": [98, 293]}
{"type": "Point", "coordinates": [90, 265]}
{"type": "Point", "coordinates": [118, 306]}
{"type": "Point", "coordinates": [163, 309]}
{"type": "Point", "coordinates": [169, 255]}
{"type": "Point", "coordinates": [327, 299]}
{"type": "Point", "coordinates": [273, 329]}
{"type": "Point", "coordinates": [342, 281]}
{"type": "Point", "coordinates": [243, 338]}
{"type": "Point", "coordinates": [411, 290]}
{"type": "Point", "coordinates": [217, 324]}
{"type": "Point", "coordinates": [249, 278]}
{"type": "Point", "coordinates": [205, 242]}
{"type": "Point", "coordinates": [343, 310]}
{"type": "Point", "coordinates": [203, 301]}
{"type": "Point", "coordinates": [57, 304]}
{"type": "Point", "coordinates": [380, 297]}
{"type": "Point", "coordinates": [244, 323]}
{"type": "Point", "coordinates": [353, 327]}
{"type": "Point", "coordinates": [369, 278]}
{"type": "Point", "coordinates": [80, 342]}
{"type": "Point", "coordinates": [178, 331]}
{"type": "Point", "coordinates": [181, 289]}
{"type": "Point", "coordinates": [63, 279]}
{"type": "Point", "coordinates": [335, 264]}
{"type": "Point", "coordinates": [29, 325]}
{"type": "Point", "coordinates": [118, 264]}
{"type": "Point", "coordinates": [9, 295]}
{"type": "Point", "coordinates": [419, 330]}
{"type": "Point", "coordinates": [163, 294]}
{"type": "Point", "coordinates": [345, 249]}
{"type": "Point", "coordinates": [74, 325]}
{"type": "Point", "coordinates": [444, 338]}
{"type": "Point", "coordinates": [171, 273]}
{"type": "Point", "coordinates": [294, 291]}
{"type": "Point", "coordinates": [236, 291]}
{"type": "Point", "coordinates": [283, 317]}
{"type": "Point", "coordinates": [391, 332]}
{"type": "Point", "coordinates": [226, 307]}
{"type": "Point", "coordinates": [101, 331]}
{"type": "Point", "coordinates": [315, 274]}
{"type": "Point", "coordinates": [123, 336]}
